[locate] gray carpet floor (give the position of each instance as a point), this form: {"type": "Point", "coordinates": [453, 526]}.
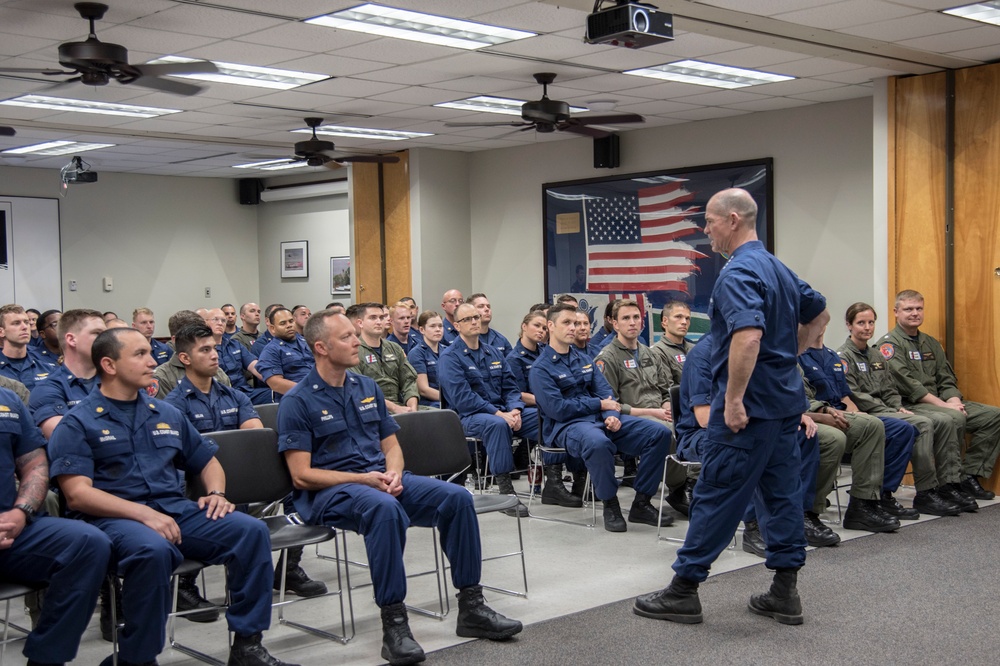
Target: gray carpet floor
{"type": "Point", "coordinates": [926, 594]}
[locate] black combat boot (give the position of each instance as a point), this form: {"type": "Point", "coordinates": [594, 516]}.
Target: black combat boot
{"type": "Point", "coordinates": [753, 542]}
{"type": "Point", "coordinates": [554, 492]}
{"type": "Point", "coordinates": [818, 534]}
{"type": "Point", "coordinates": [892, 507]}
{"type": "Point", "coordinates": [613, 519]}
{"type": "Point", "coordinates": [971, 485]}
{"type": "Point", "coordinates": [506, 487]}
{"type": "Point", "coordinates": [629, 469]}
{"type": "Point", "coordinates": [956, 494]}
{"type": "Point", "coordinates": [934, 503]}
{"type": "Point", "coordinates": [398, 646]}
{"type": "Point", "coordinates": [477, 620]}
{"type": "Point", "coordinates": [579, 483]}
{"type": "Point", "coordinates": [189, 598]}
{"type": "Point", "coordinates": [678, 602]}
{"type": "Point", "coordinates": [247, 650]}
{"type": "Point", "coordinates": [782, 601]}
{"type": "Point", "coordinates": [680, 497]}
{"type": "Point", "coordinates": [297, 581]}
{"type": "Point", "coordinates": [644, 512]}
{"type": "Point", "coordinates": [865, 515]}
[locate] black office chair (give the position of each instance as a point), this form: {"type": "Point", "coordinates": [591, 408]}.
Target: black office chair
{"type": "Point", "coordinates": [434, 444]}
{"type": "Point", "coordinates": [268, 415]}
{"type": "Point", "coordinates": [9, 592]}
{"type": "Point", "coordinates": [257, 472]}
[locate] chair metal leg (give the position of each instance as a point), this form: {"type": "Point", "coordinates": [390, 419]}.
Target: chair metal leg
{"type": "Point", "coordinates": [7, 626]}
{"type": "Point", "coordinates": [524, 568]}
{"type": "Point", "coordinates": [342, 589]}
{"type": "Point", "coordinates": [586, 487]}
{"type": "Point", "coordinates": [171, 623]}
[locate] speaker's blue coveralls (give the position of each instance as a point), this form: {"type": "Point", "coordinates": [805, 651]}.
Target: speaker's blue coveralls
{"type": "Point", "coordinates": [161, 351]}
{"type": "Point", "coordinates": [827, 372]}
{"type": "Point", "coordinates": [58, 394]}
{"type": "Point", "coordinates": [69, 555]}
{"type": "Point", "coordinates": [753, 290]}
{"type": "Point", "coordinates": [343, 428]}
{"type": "Point", "coordinates": [569, 390]}
{"type": "Point", "coordinates": [235, 361]}
{"type": "Point", "coordinates": [223, 408]}
{"type": "Point", "coordinates": [425, 361]}
{"type": "Point", "coordinates": [138, 460]}
{"type": "Point", "coordinates": [477, 383]}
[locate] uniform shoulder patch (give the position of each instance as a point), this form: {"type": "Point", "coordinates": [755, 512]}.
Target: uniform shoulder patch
{"type": "Point", "coordinates": [600, 365]}
{"type": "Point", "coordinates": [888, 350]}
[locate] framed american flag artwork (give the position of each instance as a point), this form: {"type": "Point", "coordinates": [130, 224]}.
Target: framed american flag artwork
{"type": "Point", "coordinates": [639, 236]}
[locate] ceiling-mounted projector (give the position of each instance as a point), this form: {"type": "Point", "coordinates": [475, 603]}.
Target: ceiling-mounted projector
{"type": "Point", "coordinates": [77, 171]}
{"type": "Point", "coordinates": [630, 24]}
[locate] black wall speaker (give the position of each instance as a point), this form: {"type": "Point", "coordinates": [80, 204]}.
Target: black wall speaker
{"type": "Point", "coordinates": [250, 189]}
{"type": "Point", "coordinates": [606, 152]}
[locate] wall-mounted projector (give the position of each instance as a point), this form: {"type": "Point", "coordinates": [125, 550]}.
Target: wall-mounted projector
{"type": "Point", "coordinates": [77, 171]}
{"type": "Point", "coordinates": [630, 24]}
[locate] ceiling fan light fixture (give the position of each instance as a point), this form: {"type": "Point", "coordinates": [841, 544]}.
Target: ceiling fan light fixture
{"type": "Point", "coordinates": [419, 27]}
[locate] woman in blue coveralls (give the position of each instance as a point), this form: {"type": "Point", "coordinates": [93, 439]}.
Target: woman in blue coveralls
{"type": "Point", "coordinates": [424, 358]}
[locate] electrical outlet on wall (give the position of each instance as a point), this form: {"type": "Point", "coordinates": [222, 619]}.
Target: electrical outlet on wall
{"type": "Point", "coordinates": [208, 292]}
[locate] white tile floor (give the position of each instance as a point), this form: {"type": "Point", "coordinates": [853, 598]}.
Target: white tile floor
{"type": "Point", "coordinates": [569, 569]}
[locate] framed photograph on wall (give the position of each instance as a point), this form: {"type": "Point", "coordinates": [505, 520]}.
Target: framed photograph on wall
{"type": "Point", "coordinates": [639, 236]}
{"type": "Point", "coordinates": [340, 275]}
{"type": "Point", "coordinates": [295, 259]}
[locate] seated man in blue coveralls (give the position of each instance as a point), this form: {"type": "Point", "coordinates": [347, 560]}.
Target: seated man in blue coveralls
{"type": "Point", "coordinates": [762, 314]}
{"type": "Point", "coordinates": [144, 322]}
{"type": "Point", "coordinates": [257, 348]}
{"type": "Point", "coordinates": [235, 360]}
{"type": "Point", "coordinates": [115, 457]}
{"type": "Point", "coordinates": [72, 557]}
{"type": "Point", "coordinates": [487, 334]}
{"type": "Point", "coordinates": [477, 383]}
{"type": "Point", "coordinates": [17, 360]}
{"type": "Point", "coordinates": [582, 416]}
{"type": "Point", "coordinates": [286, 358]}
{"type": "Point", "coordinates": [345, 461]}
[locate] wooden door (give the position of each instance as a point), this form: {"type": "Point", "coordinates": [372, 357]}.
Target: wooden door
{"type": "Point", "coordinates": [381, 198]}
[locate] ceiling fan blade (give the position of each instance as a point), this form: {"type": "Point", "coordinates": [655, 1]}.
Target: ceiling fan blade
{"type": "Point", "coordinates": [166, 85]}
{"type": "Point", "coordinates": [332, 165]}
{"type": "Point", "coordinates": [7, 131]}
{"type": "Point", "coordinates": [608, 119]}
{"type": "Point", "coordinates": [583, 129]}
{"type": "Point", "coordinates": [68, 83]}
{"type": "Point", "coordinates": [383, 159]}
{"type": "Point", "coordinates": [29, 70]}
{"type": "Point", "coordinates": [168, 68]}
{"type": "Point", "coordinates": [506, 124]}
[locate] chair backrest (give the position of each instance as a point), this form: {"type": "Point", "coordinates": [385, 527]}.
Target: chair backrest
{"type": "Point", "coordinates": [675, 401]}
{"type": "Point", "coordinates": [268, 415]}
{"type": "Point", "coordinates": [433, 442]}
{"type": "Point", "coordinates": [255, 470]}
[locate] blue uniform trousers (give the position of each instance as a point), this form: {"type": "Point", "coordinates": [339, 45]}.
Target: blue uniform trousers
{"type": "Point", "coordinates": [72, 557]}
{"type": "Point", "coordinates": [383, 519]}
{"type": "Point", "coordinates": [498, 438]}
{"type": "Point", "coordinates": [809, 454]}
{"type": "Point", "coordinates": [899, 438]}
{"type": "Point", "coordinates": [145, 561]}
{"type": "Point", "coordinates": [691, 448]}
{"type": "Point", "coordinates": [729, 478]}
{"type": "Point", "coordinates": [261, 396]}
{"type": "Point", "coordinates": [639, 437]}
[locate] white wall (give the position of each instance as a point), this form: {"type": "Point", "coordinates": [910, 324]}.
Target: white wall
{"type": "Point", "coordinates": [441, 234]}
{"type": "Point", "coordinates": [161, 239]}
{"type": "Point", "coordinates": [325, 223]}
{"type": "Point", "coordinates": [823, 197]}
{"type": "Point", "coordinates": [32, 274]}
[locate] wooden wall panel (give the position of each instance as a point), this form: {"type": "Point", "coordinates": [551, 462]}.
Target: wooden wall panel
{"type": "Point", "coordinates": [396, 189]}
{"type": "Point", "coordinates": [367, 233]}
{"type": "Point", "coordinates": [918, 227]}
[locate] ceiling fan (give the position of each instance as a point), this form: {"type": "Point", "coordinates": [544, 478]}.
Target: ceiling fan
{"type": "Point", "coordinates": [550, 115]}
{"type": "Point", "coordinates": [7, 131]}
{"type": "Point", "coordinates": [317, 152]}
{"type": "Point", "coordinates": [94, 63]}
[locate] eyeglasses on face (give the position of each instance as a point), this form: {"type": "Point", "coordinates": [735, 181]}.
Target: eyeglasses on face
{"type": "Point", "coordinates": [468, 319]}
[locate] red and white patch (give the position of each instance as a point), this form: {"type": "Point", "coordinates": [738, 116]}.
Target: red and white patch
{"type": "Point", "coordinates": [888, 350]}
{"type": "Point", "coordinates": [153, 388]}
{"type": "Point", "coordinates": [600, 365]}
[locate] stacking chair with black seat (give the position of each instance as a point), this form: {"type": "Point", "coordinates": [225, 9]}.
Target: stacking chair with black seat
{"type": "Point", "coordinates": [257, 472]}
{"type": "Point", "coordinates": [433, 444]}
{"type": "Point", "coordinates": [268, 415]}
{"type": "Point", "coordinates": [9, 592]}
{"type": "Point", "coordinates": [588, 488]}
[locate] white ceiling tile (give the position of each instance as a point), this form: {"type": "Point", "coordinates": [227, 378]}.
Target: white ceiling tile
{"type": "Point", "coordinates": [817, 67]}
{"type": "Point", "coordinates": [297, 8]}
{"type": "Point", "coordinates": [244, 53]}
{"type": "Point", "coordinates": [536, 17]}
{"type": "Point", "coordinates": [549, 46]}
{"type": "Point", "coordinates": [117, 13]}
{"type": "Point", "coordinates": [690, 45]}
{"type": "Point", "coordinates": [427, 113]}
{"type": "Point", "coordinates": [909, 27]}
{"type": "Point", "coordinates": [764, 7]}
{"type": "Point", "coordinates": [708, 113]}
{"type": "Point", "coordinates": [620, 59]}
{"type": "Point", "coordinates": [783, 88]}
{"type": "Point", "coordinates": [298, 100]}
{"type": "Point", "coordinates": [368, 106]}
{"type": "Point", "coordinates": [417, 95]}
{"type": "Point", "coordinates": [396, 51]}
{"type": "Point", "coordinates": [721, 97]}
{"type": "Point", "coordinates": [836, 15]}
{"type": "Point", "coordinates": [607, 82]}
{"type": "Point", "coordinates": [49, 26]}
{"type": "Point", "coordinates": [454, 8]}
{"type": "Point", "coordinates": [862, 76]}
{"type": "Point", "coordinates": [758, 57]}
{"type": "Point", "coordinates": [154, 41]}
{"type": "Point", "coordinates": [658, 107]}
{"type": "Point", "coordinates": [334, 65]}
{"type": "Point", "coordinates": [770, 104]}
{"type": "Point", "coordinates": [14, 44]}
{"type": "Point", "coordinates": [350, 87]}
{"type": "Point", "coordinates": [837, 94]}
{"type": "Point", "coordinates": [480, 85]}
{"type": "Point", "coordinates": [315, 38]}
{"type": "Point", "coordinates": [984, 54]}
{"type": "Point", "coordinates": [959, 40]}
{"type": "Point", "coordinates": [414, 75]}
{"type": "Point", "coordinates": [207, 21]}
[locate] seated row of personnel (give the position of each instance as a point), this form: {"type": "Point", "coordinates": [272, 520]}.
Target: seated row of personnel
{"type": "Point", "coordinates": [141, 513]}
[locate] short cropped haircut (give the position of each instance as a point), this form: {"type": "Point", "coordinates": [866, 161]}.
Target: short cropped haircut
{"type": "Point", "coordinates": [182, 318]}
{"type": "Point", "coordinates": [426, 316]}
{"type": "Point", "coordinates": [475, 296]}
{"type": "Point", "coordinates": [295, 308]}
{"type": "Point", "coordinates": [315, 328]}
{"type": "Point", "coordinates": [669, 307]}
{"type": "Point", "coordinates": [360, 310]}
{"type": "Point", "coordinates": [623, 303]}
{"type": "Point", "coordinates": [540, 307]}
{"type": "Point", "coordinates": [73, 319]}
{"type": "Point", "coordinates": [141, 311]}
{"type": "Point", "coordinates": [609, 309]}
{"type": "Point", "coordinates": [227, 305]}
{"type": "Point", "coordinates": [270, 308]}
{"type": "Point", "coordinates": [45, 315]}
{"type": "Point", "coordinates": [188, 337]}
{"type": "Point", "coordinates": [905, 295]}
{"type": "Point", "coordinates": [740, 202]}
{"type": "Point", "coordinates": [243, 308]}
{"type": "Point", "coordinates": [857, 308]}
{"type": "Point", "coordinates": [404, 299]}
{"type": "Point", "coordinates": [109, 344]}
{"type": "Point", "coordinates": [274, 313]}
{"type": "Point", "coordinates": [10, 308]}
{"type": "Point", "coordinates": [33, 310]}
{"type": "Point", "coordinates": [335, 304]}
{"type": "Point", "coordinates": [559, 308]}
{"type": "Point", "coordinates": [567, 298]}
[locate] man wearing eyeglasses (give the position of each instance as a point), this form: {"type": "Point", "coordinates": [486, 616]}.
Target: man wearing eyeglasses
{"type": "Point", "coordinates": [235, 360]}
{"type": "Point", "coordinates": [449, 303]}
{"type": "Point", "coordinates": [49, 349]}
{"type": "Point", "coordinates": [383, 360]}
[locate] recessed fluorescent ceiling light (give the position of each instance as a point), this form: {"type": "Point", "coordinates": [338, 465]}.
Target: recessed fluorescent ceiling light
{"type": "Point", "coordinates": [273, 165]}
{"type": "Point", "coordinates": [708, 74]}
{"type": "Point", "coordinates": [364, 133]}
{"type": "Point", "coordinates": [56, 148]}
{"type": "Point", "coordinates": [987, 12]}
{"type": "Point", "coordinates": [418, 27]}
{"type": "Point", "coordinates": [87, 106]}
{"type": "Point", "coordinates": [248, 75]}
{"type": "Point", "coordinates": [487, 104]}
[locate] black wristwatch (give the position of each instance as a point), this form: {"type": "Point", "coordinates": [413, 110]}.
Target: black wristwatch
{"type": "Point", "coordinates": [29, 512]}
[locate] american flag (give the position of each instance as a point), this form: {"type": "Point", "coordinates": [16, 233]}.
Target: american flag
{"type": "Point", "coordinates": [632, 240]}
{"type": "Point", "coordinates": [640, 300]}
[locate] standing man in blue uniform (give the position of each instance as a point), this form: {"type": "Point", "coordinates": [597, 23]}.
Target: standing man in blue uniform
{"type": "Point", "coordinates": [115, 457]}
{"type": "Point", "coordinates": [477, 383]}
{"type": "Point", "coordinates": [286, 359]}
{"type": "Point", "coordinates": [762, 314]}
{"type": "Point", "coordinates": [345, 461]}
{"type": "Point", "coordinates": [17, 362]}
{"type": "Point", "coordinates": [451, 300]}
{"type": "Point", "coordinates": [144, 322]}
{"type": "Point", "coordinates": [236, 361]}
{"type": "Point", "coordinates": [70, 556]}
{"type": "Point", "coordinates": [582, 416]}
